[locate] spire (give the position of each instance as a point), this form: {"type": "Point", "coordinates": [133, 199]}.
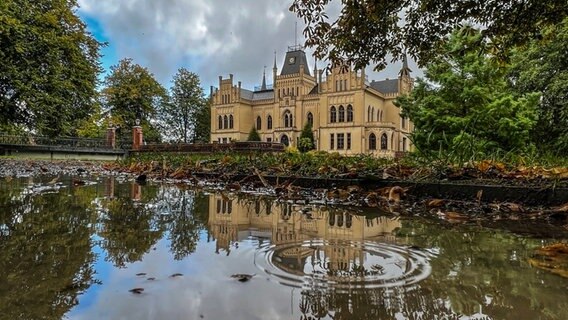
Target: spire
{"type": "Point", "coordinates": [263, 79]}
{"type": "Point", "coordinates": [274, 67]}
{"type": "Point", "coordinates": [315, 67]}
{"type": "Point", "coordinates": [274, 71]}
{"type": "Point", "coordinates": [405, 71]}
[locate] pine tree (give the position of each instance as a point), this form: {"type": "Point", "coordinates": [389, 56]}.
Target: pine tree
{"type": "Point", "coordinates": [253, 135]}
{"type": "Point", "coordinates": [306, 142]}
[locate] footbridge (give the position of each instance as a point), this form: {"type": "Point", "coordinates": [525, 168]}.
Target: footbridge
{"type": "Point", "coordinates": [61, 148]}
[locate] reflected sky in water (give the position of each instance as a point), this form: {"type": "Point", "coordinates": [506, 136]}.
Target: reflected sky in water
{"type": "Point", "coordinates": [73, 251]}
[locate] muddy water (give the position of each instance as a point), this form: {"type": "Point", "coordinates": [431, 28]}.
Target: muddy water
{"type": "Point", "coordinates": [74, 249]}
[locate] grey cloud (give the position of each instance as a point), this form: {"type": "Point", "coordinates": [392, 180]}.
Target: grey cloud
{"type": "Point", "coordinates": [209, 37]}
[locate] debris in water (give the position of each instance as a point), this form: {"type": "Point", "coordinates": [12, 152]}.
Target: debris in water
{"type": "Point", "coordinates": [141, 274]}
{"type": "Point", "coordinates": [137, 290]}
{"type": "Point", "coordinates": [243, 277]}
{"type": "Point", "coordinates": [176, 275]}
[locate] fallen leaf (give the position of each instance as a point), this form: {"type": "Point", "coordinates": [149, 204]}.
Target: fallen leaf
{"type": "Point", "coordinates": [395, 194]}
{"type": "Point", "coordinates": [562, 208]}
{"type": "Point", "coordinates": [434, 203]}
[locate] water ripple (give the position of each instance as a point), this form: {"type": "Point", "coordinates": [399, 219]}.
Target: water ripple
{"type": "Point", "coordinates": [342, 264]}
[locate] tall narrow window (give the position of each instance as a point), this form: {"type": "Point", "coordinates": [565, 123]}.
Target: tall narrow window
{"type": "Point", "coordinates": [310, 119]}
{"type": "Point", "coordinates": [225, 122]}
{"type": "Point", "coordinates": [345, 84]}
{"type": "Point", "coordinates": [340, 140]}
{"type": "Point", "coordinates": [269, 122]}
{"type": "Point", "coordinates": [231, 121]}
{"type": "Point", "coordinates": [220, 122]}
{"type": "Point", "coordinates": [331, 141]}
{"type": "Point", "coordinates": [384, 141]}
{"type": "Point", "coordinates": [372, 142]}
{"type": "Point", "coordinates": [332, 114]}
{"type": "Point", "coordinates": [348, 141]}
{"type": "Point", "coordinates": [288, 119]}
{"type": "Point", "coordinates": [373, 114]}
{"type": "Point", "coordinates": [369, 113]}
{"type": "Point", "coordinates": [258, 123]}
{"type": "Point", "coordinates": [403, 122]}
{"type": "Point", "coordinates": [403, 144]}
{"type": "Point", "coordinates": [341, 114]}
{"type": "Point", "coordinates": [349, 113]}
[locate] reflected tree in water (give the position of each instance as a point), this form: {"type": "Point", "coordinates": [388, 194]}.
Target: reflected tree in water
{"type": "Point", "coordinates": [45, 251]}
{"type": "Point", "coordinates": [185, 210]}
{"type": "Point", "coordinates": [129, 228]}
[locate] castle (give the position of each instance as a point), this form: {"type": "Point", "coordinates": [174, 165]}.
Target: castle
{"type": "Point", "coordinates": [348, 114]}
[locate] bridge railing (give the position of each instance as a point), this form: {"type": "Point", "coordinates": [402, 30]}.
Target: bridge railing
{"type": "Point", "coordinates": [63, 142]}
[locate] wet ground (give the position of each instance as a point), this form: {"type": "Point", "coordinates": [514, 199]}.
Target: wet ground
{"type": "Point", "coordinates": [107, 247]}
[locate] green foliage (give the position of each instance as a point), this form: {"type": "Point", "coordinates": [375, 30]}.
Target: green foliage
{"type": "Point", "coordinates": [369, 31]}
{"type": "Point", "coordinates": [253, 135]}
{"type": "Point", "coordinates": [306, 142]}
{"type": "Point", "coordinates": [543, 67]}
{"type": "Point", "coordinates": [202, 131]}
{"type": "Point", "coordinates": [49, 66]}
{"type": "Point", "coordinates": [181, 117]}
{"type": "Point", "coordinates": [131, 93]}
{"type": "Point", "coordinates": [465, 104]}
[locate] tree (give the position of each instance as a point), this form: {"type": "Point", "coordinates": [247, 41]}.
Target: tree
{"type": "Point", "coordinates": [306, 142]}
{"type": "Point", "coordinates": [543, 67]}
{"type": "Point", "coordinates": [367, 31]}
{"type": "Point", "coordinates": [465, 103]}
{"type": "Point", "coordinates": [49, 69]}
{"type": "Point", "coordinates": [203, 123]}
{"type": "Point", "coordinates": [132, 93]}
{"type": "Point", "coordinates": [187, 100]}
{"type": "Point", "coordinates": [253, 135]}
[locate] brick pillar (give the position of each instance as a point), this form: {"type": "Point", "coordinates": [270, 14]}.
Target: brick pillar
{"type": "Point", "coordinates": [135, 192]}
{"type": "Point", "coordinates": [111, 137]}
{"type": "Point", "coordinates": [137, 137]}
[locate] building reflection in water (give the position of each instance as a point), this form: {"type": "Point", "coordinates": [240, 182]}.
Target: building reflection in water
{"type": "Point", "coordinates": [285, 224]}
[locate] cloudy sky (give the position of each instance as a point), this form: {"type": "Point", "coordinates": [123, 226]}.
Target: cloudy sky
{"type": "Point", "coordinates": [208, 37]}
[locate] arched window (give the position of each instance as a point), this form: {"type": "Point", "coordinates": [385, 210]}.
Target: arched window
{"type": "Point", "coordinates": [403, 122]}
{"type": "Point", "coordinates": [269, 122]}
{"type": "Point", "coordinates": [332, 219]}
{"type": "Point", "coordinates": [225, 122]}
{"type": "Point", "coordinates": [349, 113]}
{"type": "Point", "coordinates": [332, 114]}
{"type": "Point", "coordinates": [372, 142]}
{"type": "Point", "coordinates": [373, 114]}
{"type": "Point", "coordinates": [311, 119]}
{"type": "Point", "coordinates": [341, 114]}
{"type": "Point", "coordinates": [220, 122]}
{"type": "Point", "coordinates": [384, 141]}
{"type": "Point", "coordinates": [231, 121]}
{"type": "Point", "coordinates": [288, 119]}
{"type": "Point", "coordinates": [369, 113]}
{"type": "Point", "coordinates": [380, 115]}
{"type": "Point", "coordinates": [258, 123]}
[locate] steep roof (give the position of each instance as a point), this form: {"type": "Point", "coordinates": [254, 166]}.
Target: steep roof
{"type": "Point", "coordinates": [293, 61]}
{"type": "Point", "coordinates": [385, 86]}
{"type": "Point", "coordinates": [257, 95]}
